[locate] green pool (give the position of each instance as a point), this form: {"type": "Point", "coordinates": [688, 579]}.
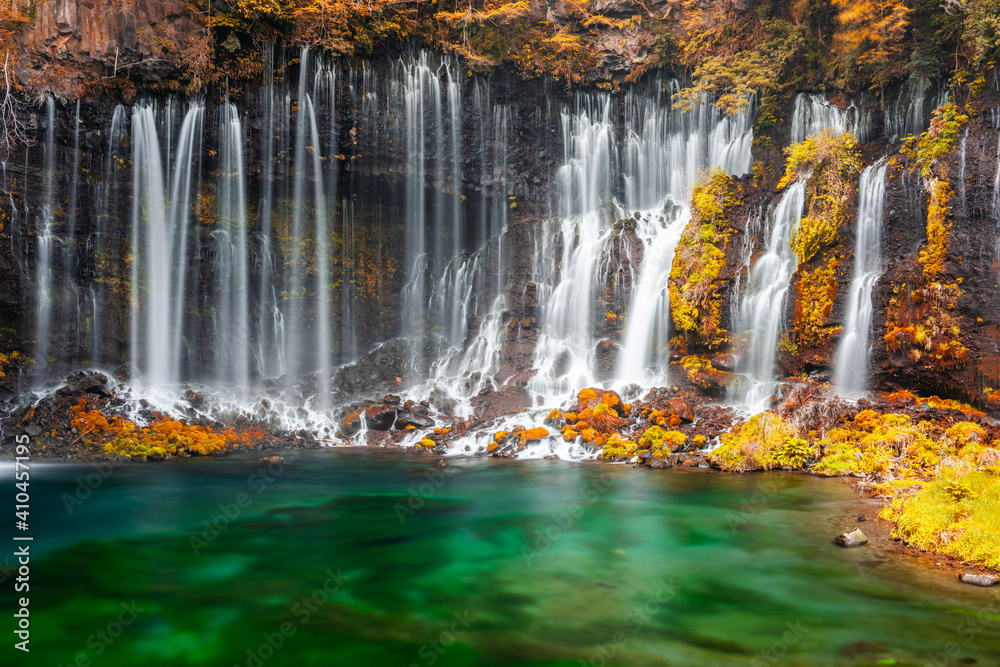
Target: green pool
{"type": "Point", "coordinates": [348, 557]}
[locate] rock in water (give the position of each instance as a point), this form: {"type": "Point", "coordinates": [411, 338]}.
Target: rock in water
{"type": "Point", "coordinates": [270, 460]}
{"type": "Point", "coordinates": [380, 417]}
{"type": "Point", "coordinates": [979, 579]}
{"type": "Point", "coordinates": [852, 538]}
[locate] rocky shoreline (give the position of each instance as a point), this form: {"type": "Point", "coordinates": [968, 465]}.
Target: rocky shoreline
{"type": "Point", "coordinates": [677, 426]}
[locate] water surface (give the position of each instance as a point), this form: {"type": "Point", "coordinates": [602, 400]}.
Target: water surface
{"type": "Point", "coordinates": [347, 557]}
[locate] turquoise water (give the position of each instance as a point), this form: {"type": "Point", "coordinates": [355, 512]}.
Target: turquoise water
{"type": "Point", "coordinates": [345, 557]}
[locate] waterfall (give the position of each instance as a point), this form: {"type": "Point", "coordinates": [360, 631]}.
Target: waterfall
{"type": "Point", "coordinates": [852, 352]}
{"type": "Point", "coordinates": [762, 303]}
{"type": "Point", "coordinates": [418, 87]}
{"type": "Point", "coordinates": [643, 357]}
{"type": "Point", "coordinates": [159, 265]}
{"type": "Point", "coordinates": [666, 153]}
{"type": "Point", "coordinates": [322, 257]}
{"type": "Point", "coordinates": [564, 352]}
{"type": "Point", "coordinates": [295, 307]}
{"type": "Point", "coordinates": [813, 113]}
{"type": "Point", "coordinates": [908, 114]}
{"type": "Point", "coordinates": [996, 178]}
{"type": "Point", "coordinates": [232, 331]}
{"type": "Point", "coordinates": [45, 238]}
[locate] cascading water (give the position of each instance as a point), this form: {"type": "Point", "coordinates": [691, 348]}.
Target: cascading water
{"type": "Point", "coordinates": [564, 353]}
{"type": "Point", "coordinates": [46, 239]}
{"type": "Point", "coordinates": [159, 245]}
{"type": "Point", "coordinates": [813, 113]}
{"type": "Point", "coordinates": [232, 329]}
{"type": "Point", "coordinates": [666, 152]}
{"type": "Point", "coordinates": [908, 114]}
{"type": "Point", "coordinates": [762, 303]}
{"type": "Point", "coordinates": [852, 352]}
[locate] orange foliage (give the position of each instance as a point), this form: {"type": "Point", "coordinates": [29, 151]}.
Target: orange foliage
{"type": "Point", "coordinates": [162, 436]}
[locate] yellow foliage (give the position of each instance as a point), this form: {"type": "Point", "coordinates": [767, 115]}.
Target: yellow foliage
{"type": "Point", "coordinates": [932, 255]}
{"type": "Point", "coordinates": [694, 284]}
{"type": "Point", "coordinates": [618, 448]}
{"type": "Point", "coordinates": [764, 442]}
{"type": "Point", "coordinates": [816, 291]}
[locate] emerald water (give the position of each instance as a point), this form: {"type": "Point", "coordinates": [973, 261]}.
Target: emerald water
{"type": "Point", "coordinates": [345, 557]}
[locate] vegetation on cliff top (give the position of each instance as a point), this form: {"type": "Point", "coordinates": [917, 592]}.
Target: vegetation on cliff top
{"type": "Point", "coordinates": [734, 50]}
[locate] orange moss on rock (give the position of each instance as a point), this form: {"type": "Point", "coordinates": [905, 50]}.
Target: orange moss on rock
{"type": "Point", "coordinates": [816, 288]}
{"type": "Point", "coordinates": [163, 436]}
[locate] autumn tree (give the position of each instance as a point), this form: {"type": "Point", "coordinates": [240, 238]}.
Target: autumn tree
{"type": "Point", "coordinates": [12, 21]}
{"type": "Point", "coordinates": [871, 36]}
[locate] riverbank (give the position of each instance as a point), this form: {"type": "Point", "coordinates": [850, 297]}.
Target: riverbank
{"type": "Point", "coordinates": [932, 464]}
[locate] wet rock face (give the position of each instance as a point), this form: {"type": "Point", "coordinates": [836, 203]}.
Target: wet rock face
{"type": "Point", "coordinates": [970, 263]}
{"type": "Point", "coordinates": [90, 35]}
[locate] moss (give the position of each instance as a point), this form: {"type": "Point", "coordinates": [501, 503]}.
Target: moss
{"type": "Point", "coordinates": [956, 514]}
{"type": "Point", "coordinates": [764, 442]}
{"type": "Point", "coordinates": [817, 288]}
{"type": "Point", "coordinates": [938, 140]}
{"type": "Point", "coordinates": [661, 442]}
{"type": "Point", "coordinates": [700, 372]}
{"type": "Point", "coordinates": [532, 435]}
{"type": "Point", "coordinates": [427, 442]}
{"type": "Point", "coordinates": [829, 163]}
{"type": "Point", "coordinates": [618, 448]}
{"type": "Point", "coordinates": [932, 255]}
{"type": "Point", "coordinates": [119, 437]}
{"type": "Point", "coordinates": [695, 284]}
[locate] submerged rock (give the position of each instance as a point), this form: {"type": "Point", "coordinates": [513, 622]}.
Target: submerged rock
{"type": "Point", "coordinates": [852, 538]}
{"type": "Point", "coordinates": [270, 460]}
{"type": "Point", "coordinates": [979, 579]}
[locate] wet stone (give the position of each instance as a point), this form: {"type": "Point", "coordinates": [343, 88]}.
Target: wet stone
{"type": "Point", "coordinates": [852, 538]}
{"type": "Point", "coordinates": [979, 579]}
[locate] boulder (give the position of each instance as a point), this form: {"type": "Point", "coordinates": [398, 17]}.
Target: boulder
{"type": "Point", "coordinates": [416, 418]}
{"type": "Point", "coordinates": [852, 538]}
{"type": "Point", "coordinates": [680, 408]}
{"type": "Point", "coordinates": [380, 417]}
{"type": "Point", "coordinates": [977, 579]}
